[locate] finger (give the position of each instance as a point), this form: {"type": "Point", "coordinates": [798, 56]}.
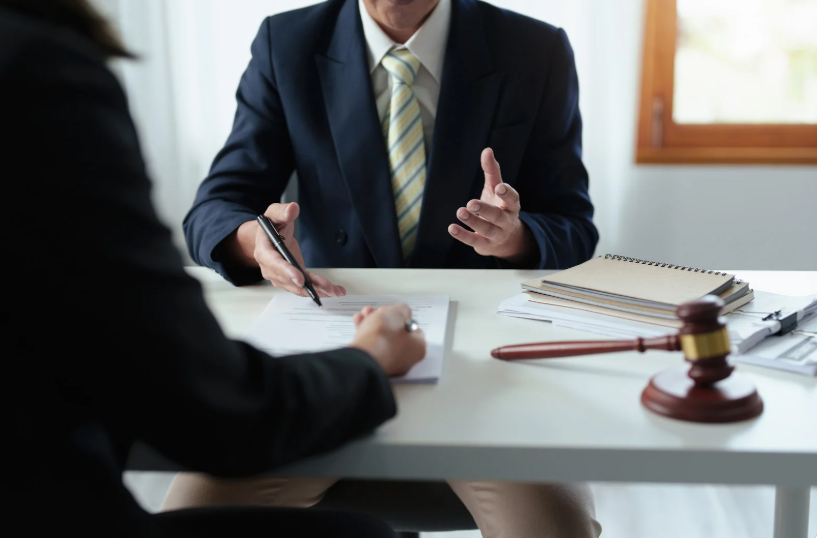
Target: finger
{"type": "Point", "coordinates": [489, 212]}
{"type": "Point", "coordinates": [469, 238]}
{"type": "Point", "coordinates": [363, 314]}
{"type": "Point", "coordinates": [405, 311]}
{"type": "Point", "coordinates": [283, 213]}
{"type": "Point", "coordinates": [509, 196]}
{"type": "Point", "coordinates": [399, 313]}
{"type": "Point", "coordinates": [271, 261]}
{"type": "Point", "coordinates": [285, 276]}
{"type": "Point", "coordinates": [481, 226]}
{"type": "Point", "coordinates": [420, 336]}
{"type": "Point", "coordinates": [288, 285]}
{"type": "Point", "coordinates": [400, 309]}
{"type": "Point", "coordinates": [322, 284]}
{"type": "Point", "coordinates": [490, 167]}
{"type": "Point", "coordinates": [273, 264]}
{"type": "Point", "coordinates": [323, 293]}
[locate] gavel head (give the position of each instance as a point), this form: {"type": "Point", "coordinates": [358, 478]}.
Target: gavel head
{"type": "Point", "coordinates": [705, 340]}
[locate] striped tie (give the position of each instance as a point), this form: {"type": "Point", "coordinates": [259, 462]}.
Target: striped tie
{"type": "Point", "coordinates": [403, 130]}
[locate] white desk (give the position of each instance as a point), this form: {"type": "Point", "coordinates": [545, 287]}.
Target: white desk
{"type": "Point", "coordinates": [576, 419]}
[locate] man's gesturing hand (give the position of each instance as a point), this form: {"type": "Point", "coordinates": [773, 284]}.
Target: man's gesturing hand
{"type": "Point", "coordinates": [382, 334]}
{"type": "Point", "coordinates": [494, 218]}
{"type": "Point", "coordinates": [274, 267]}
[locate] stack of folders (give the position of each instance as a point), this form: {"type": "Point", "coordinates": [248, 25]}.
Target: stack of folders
{"type": "Point", "coordinates": [626, 298]}
{"type": "Point", "coordinates": [636, 289]}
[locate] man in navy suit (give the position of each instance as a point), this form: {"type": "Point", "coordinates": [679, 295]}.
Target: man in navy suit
{"type": "Point", "coordinates": [312, 100]}
{"type": "Point", "coordinates": [396, 115]}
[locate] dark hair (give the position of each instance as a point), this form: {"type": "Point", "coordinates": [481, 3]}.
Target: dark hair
{"type": "Point", "coordinates": [78, 15]}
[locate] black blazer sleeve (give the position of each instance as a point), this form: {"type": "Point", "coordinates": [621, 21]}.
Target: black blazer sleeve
{"type": "Point", "coordinates": [249, 173]}
{"type": "Point", "coordinates": [552, 180]}
{"type": "Point", "coordinates": [109, 317]}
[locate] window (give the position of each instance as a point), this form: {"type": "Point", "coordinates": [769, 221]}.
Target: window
{"type": "Point", "coordinates": [729, 81]}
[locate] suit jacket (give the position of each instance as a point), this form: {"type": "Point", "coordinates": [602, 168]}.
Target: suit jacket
{"type": "Point", "coordinates": [111, 341]}
{"type": "Point", "coordinates": [305, 103]}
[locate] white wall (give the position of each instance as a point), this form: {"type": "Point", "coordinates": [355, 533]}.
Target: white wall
{"type": "Point", "coordinates": [707, 216]}
{"type": "Point", "coordinates": [752, 217]}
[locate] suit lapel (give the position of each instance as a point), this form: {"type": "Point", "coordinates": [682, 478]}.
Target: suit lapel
{"type": "Point", "coordinates": [468, 96]}
{"type": "Point", "coordinates": [358, 138]}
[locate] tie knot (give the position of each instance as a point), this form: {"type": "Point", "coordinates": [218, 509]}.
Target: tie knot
{"type": "Point", "coordinates": [402, 65]}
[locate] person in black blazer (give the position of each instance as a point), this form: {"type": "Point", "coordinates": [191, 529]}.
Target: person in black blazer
{"type": "Point", "coordinates": [110, 340]}
{"type": "Point", "coordinates": [396, 116]}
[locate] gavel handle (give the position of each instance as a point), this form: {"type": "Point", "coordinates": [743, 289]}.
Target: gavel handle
{"type": "Point", "coordinates": [552, 350]}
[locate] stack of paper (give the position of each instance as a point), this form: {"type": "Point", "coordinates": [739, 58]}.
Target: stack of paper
{"type": "Point", "coordinates": [750, 327]}
{"type": "Point", "coordinates": [291, 325]}
{"type": "Point", "coordinates": [795, 351]}
{"type": "Point", "coordinates": [521, 306]}
{"type": "Point", "coordinates": [636, 289]}
{"type": "Point", "coordinates": [751, 324]}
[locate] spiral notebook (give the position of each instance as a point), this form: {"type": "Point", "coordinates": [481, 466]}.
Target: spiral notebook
{"type": "Point", "coordinates": [625, 287]}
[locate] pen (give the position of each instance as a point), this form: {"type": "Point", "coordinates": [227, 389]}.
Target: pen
{"type": "Point", "coordinates": [278, 243]}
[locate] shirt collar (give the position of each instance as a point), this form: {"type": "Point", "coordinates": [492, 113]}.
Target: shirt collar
{"type": "Point", "coordinates": [428, 43]}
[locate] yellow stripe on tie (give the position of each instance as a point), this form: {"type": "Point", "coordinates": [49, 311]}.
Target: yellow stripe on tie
{"type": "Point", "coordinates": [410, 194]}
{"type": "Point", "coordinates": [404, 93]}
{"type": "Point", "coordinates": [408, 135]}
{"type": "Point", "coordinates": [399, 154]}
{"type": "Point", "coordinates": [407, 164]}
{"type": "Point", "coordinates": [407, 171]}
{"type": "Point", "coordinates": [418, 160]}
{"type": "Point", "coordinates": [408, 197]}
{"type": "Point", "coordinates": [406, 118]}
{"type": "Point", "coordinates": [399, 184]}
{"type": "Point", "coordinates": [410, 220]}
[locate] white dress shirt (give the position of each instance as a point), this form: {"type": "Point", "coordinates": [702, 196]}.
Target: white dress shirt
{"type": "Point", "coordinates": [428, 45]}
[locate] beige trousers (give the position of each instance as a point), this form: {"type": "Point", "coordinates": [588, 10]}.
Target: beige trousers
{"type": "Point", "coordinates": [500, 509]}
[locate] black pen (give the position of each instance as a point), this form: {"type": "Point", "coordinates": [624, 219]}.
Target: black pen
{"type": "Point", "coordinates": [278, 243]}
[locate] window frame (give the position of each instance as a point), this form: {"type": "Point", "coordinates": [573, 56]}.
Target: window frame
{"type": "Point", "coordinates": [661, 140]}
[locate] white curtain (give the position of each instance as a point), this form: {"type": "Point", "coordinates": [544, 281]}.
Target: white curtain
{"type": "Point", "coordinates": [181, 90]}
{"type": "Point", "coordinates": [194, 51]}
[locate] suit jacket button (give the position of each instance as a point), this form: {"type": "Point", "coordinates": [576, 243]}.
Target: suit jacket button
{"type": "Point", "coordinates": [341, 237]}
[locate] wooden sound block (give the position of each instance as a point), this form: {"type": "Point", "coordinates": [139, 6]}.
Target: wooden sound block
{"type": "Point", "coordinates": [673, 394]}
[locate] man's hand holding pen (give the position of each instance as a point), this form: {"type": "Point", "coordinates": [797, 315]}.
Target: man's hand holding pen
{"type": "Point", "coordinates": [251, 245]}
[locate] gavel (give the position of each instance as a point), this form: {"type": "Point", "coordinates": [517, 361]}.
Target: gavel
{"type": "Point", "coordinates": [708, 392]}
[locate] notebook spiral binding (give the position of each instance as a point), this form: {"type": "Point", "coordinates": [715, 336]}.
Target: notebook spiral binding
{"type": "Point", "coordinates": [659, 264]}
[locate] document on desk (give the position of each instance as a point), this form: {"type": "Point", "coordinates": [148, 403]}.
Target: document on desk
{"type": "Point", "coordinates": [750, 327]}
{"type": "Point", "coordinates": [795, 351]}
{"type": "Point", "coordinates": [292, 324]}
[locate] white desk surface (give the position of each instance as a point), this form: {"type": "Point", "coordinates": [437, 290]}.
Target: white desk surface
{"type": "Point", "coordinates": [561, 420]}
